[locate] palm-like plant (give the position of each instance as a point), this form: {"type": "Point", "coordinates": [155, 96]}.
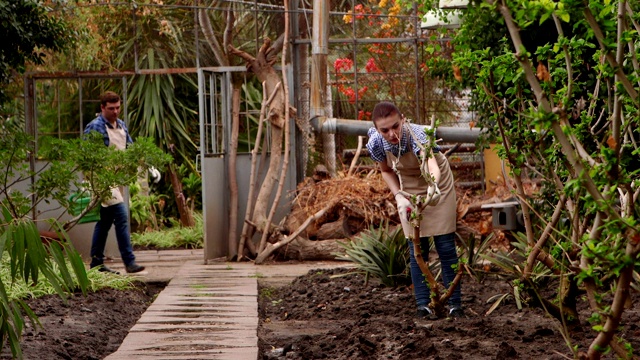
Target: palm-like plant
{"type": "Point", "coordinates": [157, 112]}
{"type": "Point", "coordinates": [379, 252]}
{"type": "Point", "coordinates": [30, 259]}
{"type": "Point", "coordinates": [159, 109]}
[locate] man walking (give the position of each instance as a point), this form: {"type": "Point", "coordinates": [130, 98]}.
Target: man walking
{"type": "Point", "coordinates": [112, 211]}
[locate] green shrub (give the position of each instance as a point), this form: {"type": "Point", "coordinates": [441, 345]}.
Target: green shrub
{"type": "Point", "coordinates": [380, 253]}
{"type": "Point", "coordinates": [173, 237]}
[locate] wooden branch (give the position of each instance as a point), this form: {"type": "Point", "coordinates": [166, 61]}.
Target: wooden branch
{"type": "Point", "coordinates": [209, 35]}
{"type": "Point", "coordinates": [618, 348]}
{"type": "Point", "coordinates": [476, 207]}
{"type": "Point", "coordinates": [452, 286]}
{"type": "Point", "coordinates": [567, 148]}
{"type": "Point", "coordinates": [567, 56]}
{"type": "Point", "coordinates": [249, 226]}
{"type": "Point", "coordinates": [273, 247]}
{"type": "Point", "coordinates": [285, 162]}
{"type": "Point", "coordinates": [227, 37]}
{"type": "Point", "coordinates": [537, 248]}
{"type": "Point", "coordinates": [435, 304]}
{"type": "Point", "coordinates": [617, 308]}
{"type": "Point", "coordinates": [590, 286]}
{"type": "Point", "coordinates": [591, 20]}
{"type": "Point", "coordinates": [354, 161]}
{"type": "Point", "coordinates": [232, 242]}
{"type": "Point", "coordinates": [244, 55]}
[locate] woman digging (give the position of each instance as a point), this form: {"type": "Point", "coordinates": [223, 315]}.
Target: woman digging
{"type": "Point", "coordinates": [422, 183]}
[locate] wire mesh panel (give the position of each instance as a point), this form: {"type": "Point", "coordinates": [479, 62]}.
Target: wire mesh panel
{"type": "Point", "coordinates": [215, 115]}
{"type": "Point", "coordinates": [213, 104]}
{"type": "Point", "coordinates": [62, 106]}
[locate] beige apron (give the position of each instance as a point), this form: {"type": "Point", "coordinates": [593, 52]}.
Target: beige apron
{"type": "Point", "coordinates": [441, 218]}
{"type": "Point", "coordinates": [117, 139]}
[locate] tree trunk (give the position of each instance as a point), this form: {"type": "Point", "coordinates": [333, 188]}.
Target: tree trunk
{"type": "Point", "coordinates": [263, 69]}
{"type": "Point", "coordinates": [186, 217]}
{"type": "Point", "coordinates": [305, 249]}
{"type": "Point", "coordinates": [233, 176]}
{"type": "Point", "coordinates": [334, 230]}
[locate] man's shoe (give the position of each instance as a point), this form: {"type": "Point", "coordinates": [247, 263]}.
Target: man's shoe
{"type": "Point", "coordinates": [134, 268]}
{"type": "Point", "coordinates": [457, 313]}
{"type": "Point", "coordinates": [425, 312]}
{"type": "Point", "coordinates": [105, 269]}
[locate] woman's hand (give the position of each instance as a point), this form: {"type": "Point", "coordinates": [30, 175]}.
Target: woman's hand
{"type": "Point", "coordinates": [404, 207]}
{"type": "Point", "coordinates": [433, 195]}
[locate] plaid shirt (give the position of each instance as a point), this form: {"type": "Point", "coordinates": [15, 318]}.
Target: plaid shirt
{"type": "Point", "coordinates": [378, 146]}
{"type": "Point", "coordinates": [100, 124]}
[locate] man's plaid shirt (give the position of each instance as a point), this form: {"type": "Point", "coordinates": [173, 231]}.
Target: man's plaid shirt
{"type": "Point", "coordinates": [100, 124]}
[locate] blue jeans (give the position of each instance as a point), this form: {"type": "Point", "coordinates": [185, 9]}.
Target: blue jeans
{"type": "Point", "coordinates": [446, 248]}
{"type": "Point", "coordinates": [112, 215]}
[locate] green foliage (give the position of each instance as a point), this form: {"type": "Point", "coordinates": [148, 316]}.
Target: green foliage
{"type": "Point", "coordinates": [252, 103]}
{"type": "Point", "coordinates": [513, 262]}
{"type": "Point", "coordinates": [28, 260]}
{"type": "Point", "coordinates": [20, 289]}
{"type": "Point", "coordinates": [28, 32]}
{"type": "Point", "coordinates": [267, 292]}
{"type": "Point", "coordinates": [146, 210]}
{"type": "Point", "coordinates": [191, 186]}
{"type": "Point", "coordinates": [379, 252]}
{"type": "Point", "coordinates": [103, 167]}
{"type": "Point", "coordinates": [173, 237]}
{"type": "Point", "coordinates": [474, 250]}
{"type": "Point", "coordinates": [557, 87]}
{"type": "Point", "coordinates": [160, 105]}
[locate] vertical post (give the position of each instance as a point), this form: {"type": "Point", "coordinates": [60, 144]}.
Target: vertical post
{"type": "Point", "coordinates": [80, 112]}
{"type": "Point", "coordinates": [299, 93]}
{"type": "Point", "coordinates": [30, 128]}
{"type": "Point", "coordinates": [416, 50]}
{"type": "Point", "coordinates": [196, 32]}
{"type": "Point", "coordinates": [125, 100]}
{"type": "Point", "coordinates": [319, 53]}
{"type": "Point", "coordinates": [318, 99]}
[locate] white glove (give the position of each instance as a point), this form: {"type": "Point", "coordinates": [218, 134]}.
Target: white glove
{"type": "Point", "coordinates": [404, 212]}
{"type": "Point", "coordinates": [433, 195]}
{"type": "Point", "coordinates": [154, 175]}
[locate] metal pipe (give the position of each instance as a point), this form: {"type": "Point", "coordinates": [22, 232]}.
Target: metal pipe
{"type": "Point", "coordinates": [323, 125]}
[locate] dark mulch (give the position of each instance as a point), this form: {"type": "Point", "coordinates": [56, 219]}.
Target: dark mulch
{"type": "Point", "coordinates": [320, 317]}
{"type": "Point", "coordinates": [84, 327]}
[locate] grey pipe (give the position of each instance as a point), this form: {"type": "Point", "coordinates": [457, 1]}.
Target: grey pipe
{"type": "Point", "coordinates": [325, 125]}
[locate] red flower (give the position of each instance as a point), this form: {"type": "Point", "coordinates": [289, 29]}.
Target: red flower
{"type": "Point", "coordinates": [364, 115]}
{"type": "Point", "coordinates": [371, 66]}
{"type": "Point", "coordinates": [342, 64]}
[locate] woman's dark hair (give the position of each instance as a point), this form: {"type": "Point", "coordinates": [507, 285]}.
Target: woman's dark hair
{"type": "Point", "coordinates": [384, 109]}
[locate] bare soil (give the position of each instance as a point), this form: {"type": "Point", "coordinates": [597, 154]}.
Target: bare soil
{"type": "Point", "coordinates": [323, 317]}
{"type": "Point", "coordinates": [84, 327]}
{"type": "Point", "coordinates": [319, 316]}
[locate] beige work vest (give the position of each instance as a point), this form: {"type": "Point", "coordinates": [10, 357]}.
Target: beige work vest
{"type": "Point", "coordinates": [441, 218]}
{"type": "Point", "coordinates": [117, 139]}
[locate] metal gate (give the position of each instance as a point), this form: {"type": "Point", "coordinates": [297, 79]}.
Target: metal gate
{"type": "Point", "coordinates": [215, 88]}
